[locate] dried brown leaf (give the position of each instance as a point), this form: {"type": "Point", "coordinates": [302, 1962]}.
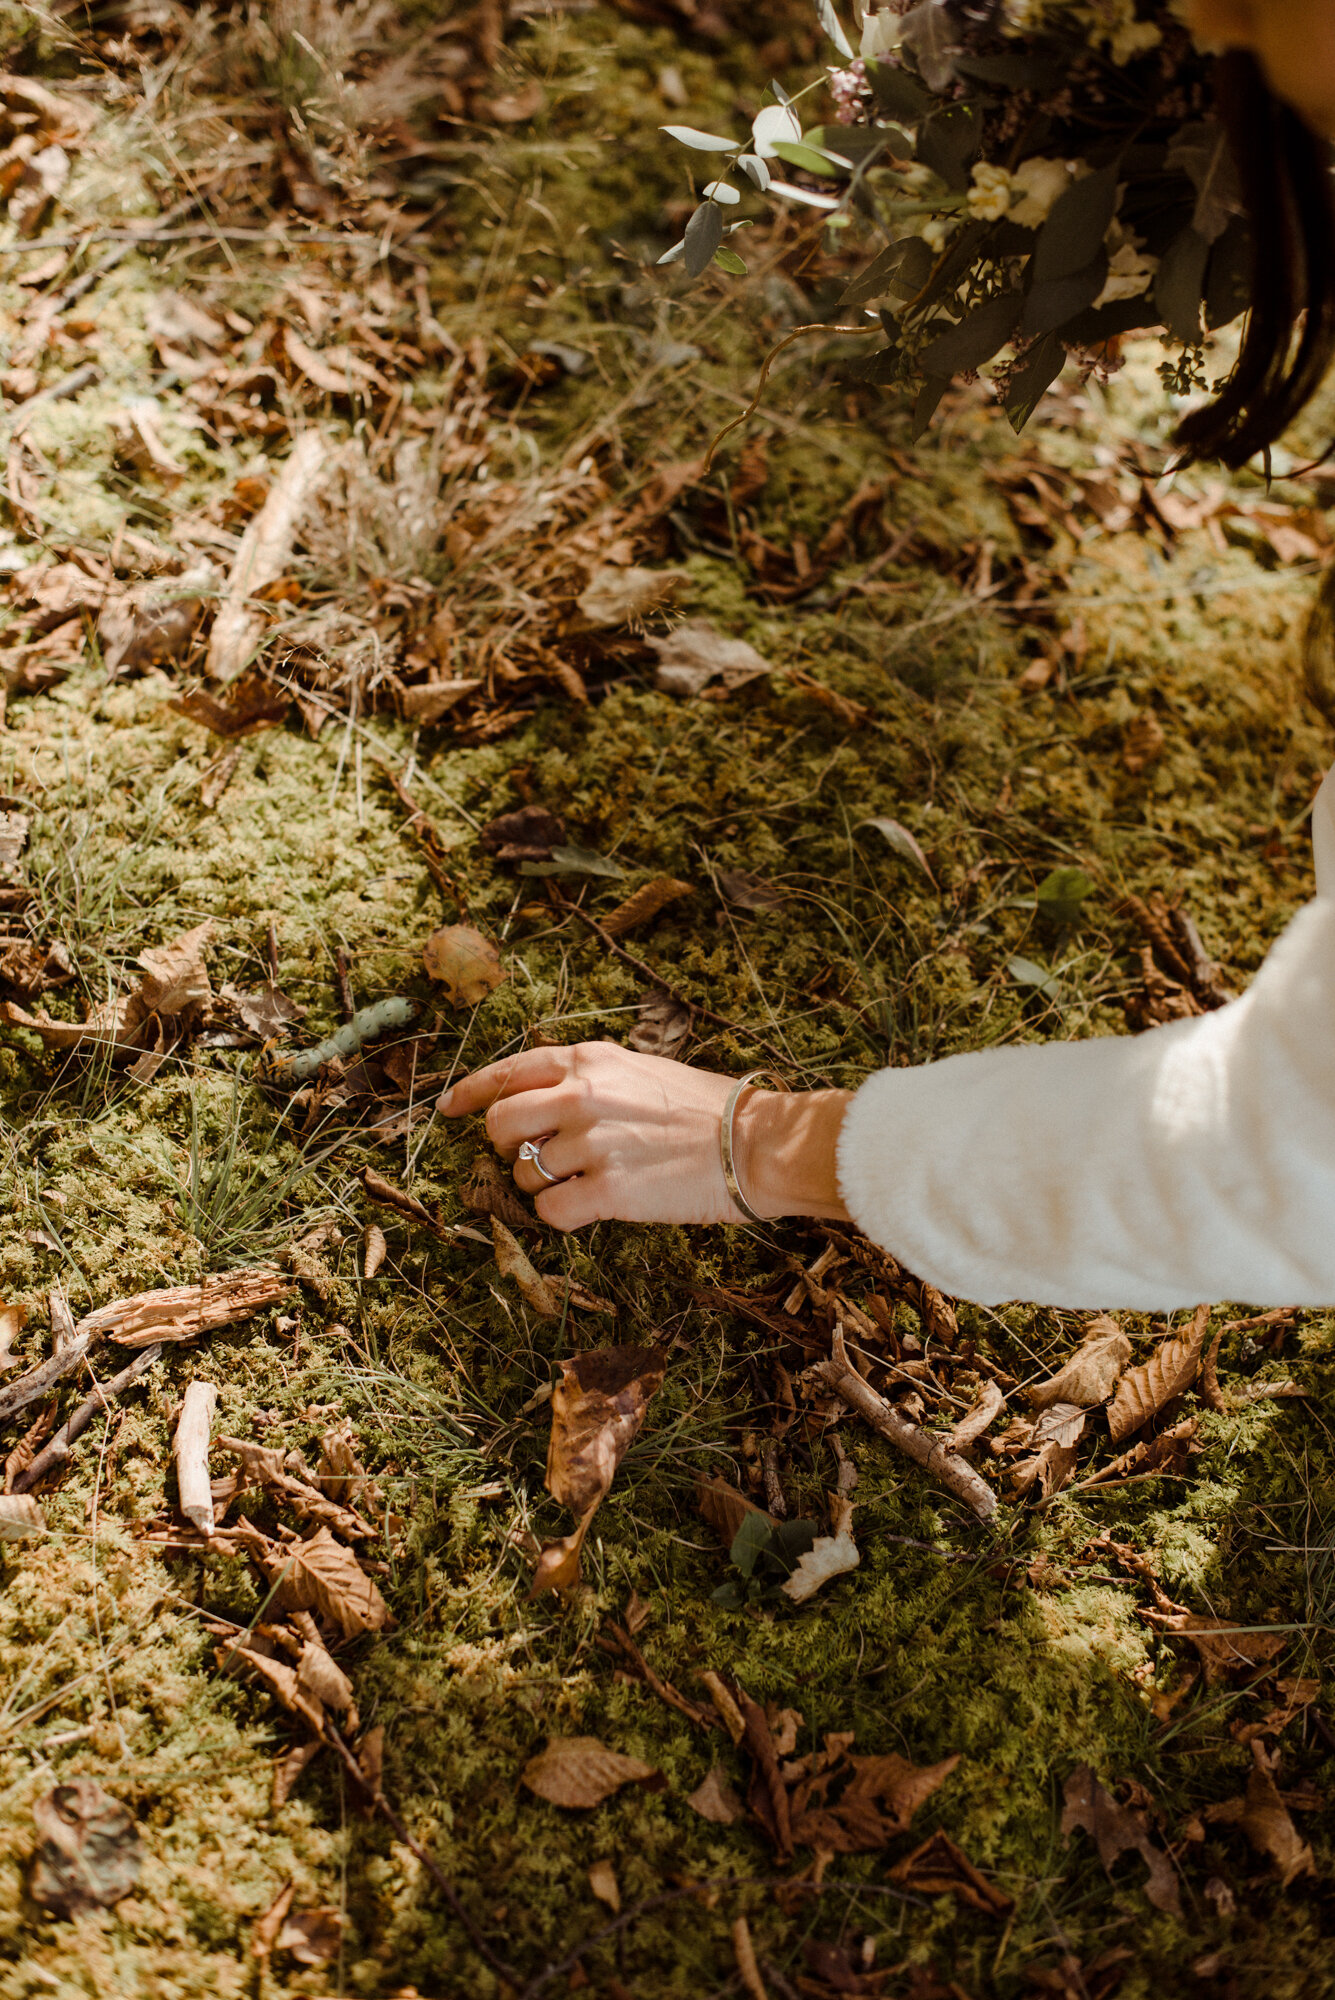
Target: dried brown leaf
{"type": "Point", "coordinates": [389, 1196]}
{"type": "Point", "coordinates": [1091, 1373]}
{"type": "Point", "coordinates": [1114, 1830]}
{"type": "Point", "coordinates": [13, 1318]}
{"type": "Point", "coordinates": [853, 1805]}
{"type": "Point", "coordinates": [251, 703]}
{"type": "Point", "coordinates": [939, 1868]}
{"type": "Point", "coordinates": [971, 1426]}
{"type": "Point", "coordinates": [1220, 1646]}
{"type": "Point", "coordinates": [646, 902]}
{"type": "Point", "coordinates": [488, 1191]}
{"type": "Point", "coordinates": [89, 1853]}
{"type": "Point", "coordinates": [1169, 1452]}
{"type": "Point", "coordinates": [467, 964]}
{"type": "Point", "coordinates": [529, 834]}
{"type": "Point", "coordinates": [374, 1249]}
{"type": "Point", "coordinates": [1169, 1372]}
{"type": "Point", "coordinates": [512, 1261]}
{"type": "Point", "coordinates": [429, 700]}
{"type": "Point", "coordinates": [175, 976]}
{"type": "Point", "coordinates": [694, 653]}
{"type": "Point", "coordinates": [829, 1555]}
{"type": "Point", "coordinates": [1266, 1821]}
{"type": "Point", "coordinates": [661, 1026]}
{"type": "Point", "coordinates": [323, 1576]}
{"type": "Point", "coordinates": [20, 1516]}
{"type": "Point", "coordinates": [598, 1407]}
{"type": "Point", "coordinates": [1054, 1440]}
{"type": "Point", "coordinates": [287, 1771]}
{"type": "Point", "coordinates": [579, 1772]}
{"type": "Point", "coordinates": [749, 892]}
{"type": "Point", "coordinates": [725, 1507]}
{"type": "Point", "coordinates": [312, 1936]}
{"type": "Point", "coordinates": [603, 1882]}
{"type": "Point", "coordinates": [262, 557]}
{"type": "Point", "coordinates": [624, 596]}
{"type": "Point", "coordinates": [264, 1932]}
{"type": "Point", "coordinates": [714, 1799]}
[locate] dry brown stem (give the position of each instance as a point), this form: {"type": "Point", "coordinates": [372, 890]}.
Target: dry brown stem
{"type": "Point", "coordinates": [953, 1473]}
{"type": "Point", "coordinates": [53, 1455]}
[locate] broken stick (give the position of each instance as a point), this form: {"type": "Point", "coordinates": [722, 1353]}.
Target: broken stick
{"type": "Point", "coordinates": [262, 557]}
{"type": "Point", "coordinates": [191, 1449]}
{"type": "Point", "coordinates": [955, 1474]}
{"type": "Point", "coordinates": [53, 1455]}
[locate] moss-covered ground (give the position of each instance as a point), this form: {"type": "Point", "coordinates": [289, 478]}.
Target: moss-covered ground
{"type": "Point", "coordinates": [1010, 1645]}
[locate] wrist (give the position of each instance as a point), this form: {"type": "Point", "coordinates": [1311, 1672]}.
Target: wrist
{"type": "Point", "coordinates": [785, 1147]}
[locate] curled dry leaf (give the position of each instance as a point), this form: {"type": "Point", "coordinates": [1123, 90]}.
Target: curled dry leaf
{"type": "Point", "coordinates": [321, 1575]}
{"type": "Point", "coordinates": [1220, 1646]}
{"type": "Point", "coordinates": [974, 1422]}
{"type": "Point", "coordinates": [694, 653]}
{"type": "Point", "coordinates": [603, 1882]}
{"type": "Point", "coordinates": [853, 1805]}
{"type": "Point", "coordinates": [645, 903]}
{"type": "Point", "coordinates": [1115, 1829]}
{"type": "Point", "coordinates": [829, 1556]}
{"type": "Point", "coordinates": [598, 1407]}
{"type": "Point", "coordinates": [1268, 1825]}
{"type": "Point", "coordinates": [89, 1853]}
{"type": "Point", "coordinates": [529, 834]}
{"type": "Point", "coordinates": [312, 1936]}
{"type": "Point", "coordinates": [1054, 1441]}
{"type": "Point", "coordinates": [714, 1799]}
{"type": "Point", "coordinates": [939, 1868]}
{"type": "Point", "coordinates": [20, 1516]}
{"type": "Point", "coordinates": [467, 965]}
{"type": "Point", "coordinates": [1092, 1373]}
{"type": "Point", "coordinates": [264, 1932]}
{"type": "Point", "coordinates": [488, 1191]}
{"type": "Point", "coordinates": [512, 1262]}
{"type": "Point", "coordinates": [616, 596]}
{"type": "Point", "coordinates": [1170, 1371]}
{"type": "Point", "coordinates": [289, 1768]}
{"type": "Point", "coordinates": [661, 1026]}
{"type": "Point", "coordinates": [374, 1249]}
{"type": "Point", "coordinates": [749, 892]}
{"type": "Point", "coordinates": [1171, 1451]}
{"type": "Point", "coordinates": [579, 1772]}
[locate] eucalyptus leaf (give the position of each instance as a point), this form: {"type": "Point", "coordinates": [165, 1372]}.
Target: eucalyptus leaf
{"type": "Point", "coordinates": [897, 94]}
{"type": "Point", "coordinates": [1202, 152]}
{"type": "Point", "coordinates": [1179, 284]}
{"type": "Point", "coordinates": [980, 335]}
{"type": "Point", "coordinates": [902, 841]}
{"type": "Point", "coordinates": [1061, 895]}
{"type": "Point", "coordinates": [674, 255]}
{"type": "Point", "coordinates": [573, 861]}
{"type": "Point", "coordinates": [810, 159]}
{"type": "Point", "coordinates": [1055, 300]}
{"type": "Point", "coordinates": [874, 282]}
{"type": "Point", "coordinates": [947, 142]}
{"type": "Point", "coordinates": [925, 407]}
{"type": "Point", "coordinates": [704, 233]}
{"type": "Point", "coordinates": [928, 32]}
{"type": "Point", "coordinates": [1033, 378]}
{"type": "Point", "coordinates": [728, 260]}
{"type": "Point", "coordinates": [755, 170]}
{"type": "Point", "coordinates": [1073, 234]}
{"type": "Point", "coordinates": [834, 28]}
{"type": "Point", "coordinates": [703, 142]}
{"type": "Point", "coordinates": [1025, 973]}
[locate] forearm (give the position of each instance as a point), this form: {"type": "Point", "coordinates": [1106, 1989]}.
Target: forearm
{"type": "Point", "coordinates": [786, 1147]}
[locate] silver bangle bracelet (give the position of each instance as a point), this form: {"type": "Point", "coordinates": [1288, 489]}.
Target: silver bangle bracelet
{"type": "Point", "coordinates": [725, 1137]}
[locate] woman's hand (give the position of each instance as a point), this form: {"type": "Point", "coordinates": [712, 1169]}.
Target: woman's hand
{"type": "Point", "coordinates": [635, 1138]}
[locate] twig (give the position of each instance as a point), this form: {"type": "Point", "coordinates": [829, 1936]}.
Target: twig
{"type": "Point", "coordinates": [191, 1449]}
{"type": "Point", "coordinates": [54, 1455]}
{"type": "Point", "coordinates": [447, 1889]}
{"type": "Point", "coordinates": [657, 979]}
{"type": "Point", "coordinates": [30, 1387]}
{"type": "Point", "coordinates": [619, 1639]}
{"type": "Point", "coordinates": [347, 1006]}
{"type": "Point", "coordinates": [816, 326]}
{"type": "Point", "coordinates": [955, 1474]}
{"type": "Point", "coordinates": [745, 1954]}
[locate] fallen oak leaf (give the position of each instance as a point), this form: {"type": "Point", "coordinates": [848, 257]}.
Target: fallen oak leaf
{"type": "Point", "coordinates": [466, 964]}
{"type": "Point", "coordinates": [512, 1261]}
{"type": "Point", "coordinates": [580, 1772]}
{"type": "Point", "coordinates": [1169, 1372]}
{"type": "Point", "coordinates": [321, 1575]}
{"type": "Point", "coordinates": [1222, 1646]}
{"type": "Point", "coordinates": [1115, 1829]}
{"type": "Point", "coordinates": [1092, 1372]}
{"type": "Point", "coordinates": [598, 1407]}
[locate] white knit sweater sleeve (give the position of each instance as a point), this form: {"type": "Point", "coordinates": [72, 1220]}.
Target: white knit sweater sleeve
{"type": "Point", "coordinates": [1193, 1162]}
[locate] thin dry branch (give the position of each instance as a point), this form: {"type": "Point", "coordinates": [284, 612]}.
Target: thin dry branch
{"type": "Point", "coordinates": [955, 1474]}
{"type": "Point", "coordinates": [54, 1455]}
{"type": "Point", "coordinates": [262, 557]}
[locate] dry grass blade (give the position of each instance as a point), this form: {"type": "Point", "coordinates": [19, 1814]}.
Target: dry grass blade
{"type": "Point", "coordinates": [1170, 1371]}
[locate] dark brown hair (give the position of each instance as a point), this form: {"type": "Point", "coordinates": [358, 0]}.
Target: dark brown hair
{"type": "Point", "coordinates": [1288, 343]}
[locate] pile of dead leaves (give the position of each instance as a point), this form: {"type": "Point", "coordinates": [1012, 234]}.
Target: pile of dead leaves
{"type": "Point", "coordinates": [318, 1594]}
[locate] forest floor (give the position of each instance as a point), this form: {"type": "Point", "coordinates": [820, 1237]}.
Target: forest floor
{"type": "Point", "coordinates": [1006, 687]}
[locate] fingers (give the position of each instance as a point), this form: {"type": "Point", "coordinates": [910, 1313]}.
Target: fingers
{"type": "Point", "coordinates": [561, 1157]}
{"type": "Point", "coordinates": [575, 1203]}
{"type": "Point", "coordinates": [531, 1069]}
{"type": "Point", "coordinates": [527, 1115]}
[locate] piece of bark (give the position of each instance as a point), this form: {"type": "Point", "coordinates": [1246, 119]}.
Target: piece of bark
{"type": "Point", "coordinates": [262, 557]}
{"type": "Point", "coordinates": [191, 1449]}
{"type": "Point", "coordinates": [62, 1320]}
{"type": "Point", "coordinates": [971, 1426]}
{"type": "Point", "coordinates": [955, 1474]}
{"type": "Point", "coordinates": [182, 1312]}
{"type": "Point", "coordinates": [54, 1455]}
